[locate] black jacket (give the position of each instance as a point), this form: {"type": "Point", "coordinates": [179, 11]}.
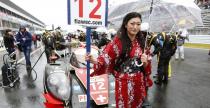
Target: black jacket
{"type": "Point", "coordinates": [102, 42]}
{"type": "Point", "coordinates": [9, 41]}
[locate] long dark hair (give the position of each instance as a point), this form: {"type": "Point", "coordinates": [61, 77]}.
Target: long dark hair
{"type": "Point", "coordinates": [7, 32]}
{"type": "Point", "coordinates": [122, 32]}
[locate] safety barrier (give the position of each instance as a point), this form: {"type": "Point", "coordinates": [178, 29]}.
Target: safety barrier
{"type": "Point", "coordinates": [204, 39]}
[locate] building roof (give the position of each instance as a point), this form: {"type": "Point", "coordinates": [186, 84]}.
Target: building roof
{"type": "Point", "coordinates": [11, 4]}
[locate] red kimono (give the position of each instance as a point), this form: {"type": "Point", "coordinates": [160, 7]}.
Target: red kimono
{"type": "Point", "coordinates": [130, 88]}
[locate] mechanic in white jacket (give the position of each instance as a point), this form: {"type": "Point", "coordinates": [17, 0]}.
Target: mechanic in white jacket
{"type": "Point", "coordinates": [182, 35]}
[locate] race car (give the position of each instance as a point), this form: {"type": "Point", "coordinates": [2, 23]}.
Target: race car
{"type": "Point", "coordinates": [65, 83]}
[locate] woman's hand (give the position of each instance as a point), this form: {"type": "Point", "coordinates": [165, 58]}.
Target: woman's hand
{"type": "Point", "coordinates": [90, 58]}
{"type": "Point", "coordinates": [144, 59]}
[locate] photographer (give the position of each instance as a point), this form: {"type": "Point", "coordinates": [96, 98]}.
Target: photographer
{"type": "Point", "coordinates": [9, 41]}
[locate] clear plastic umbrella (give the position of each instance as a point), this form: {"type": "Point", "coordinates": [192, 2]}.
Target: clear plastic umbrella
{"type": "Point", "coordinates": [170, 15]}
{"type": "Point", "coordinates": [166, 15]}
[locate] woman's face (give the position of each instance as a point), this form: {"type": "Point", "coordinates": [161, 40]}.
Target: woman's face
{"type": "Point", "coordinates": [10, 33]}
{"type": "Point", "coordinates": [22, 29]}
{"type": "Point", "coordinates": [133, 26]}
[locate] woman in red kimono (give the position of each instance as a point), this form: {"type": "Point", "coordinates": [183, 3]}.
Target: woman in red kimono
{"type": "Point", "coordinates": [124, 58]}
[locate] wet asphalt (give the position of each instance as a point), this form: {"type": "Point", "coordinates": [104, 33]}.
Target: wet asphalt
{"type": "Point", "coordinates": [189, 86]}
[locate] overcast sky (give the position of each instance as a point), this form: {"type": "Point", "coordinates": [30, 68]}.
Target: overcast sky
{"type": "Point", "coordinates": [51, 11]}
{"type": "Point", "coordinates": [48, 11]}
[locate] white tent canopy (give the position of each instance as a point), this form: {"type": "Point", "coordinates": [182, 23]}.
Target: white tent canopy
{"type": "Point", "coordinates": [112, 31]}
{"type": "Point", "coordinates": [102, 30]}
{"type": "Point", "coordinates": [73, 28]}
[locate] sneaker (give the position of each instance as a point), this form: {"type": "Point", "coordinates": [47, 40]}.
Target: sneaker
{"type": "Point", "coordinates": [155, 76]}
{"type": "Point", "coordinates": [158, 83]}
{"type": "Point", "coordinates": [28, 69]}
{"type": "Point", "coordinates": [146, 104]}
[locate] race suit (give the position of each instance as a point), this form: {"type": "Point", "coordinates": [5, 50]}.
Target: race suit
{"type": "Point", "coordinates": [165, 47]}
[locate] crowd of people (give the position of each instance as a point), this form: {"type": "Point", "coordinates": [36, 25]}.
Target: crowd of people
{"type": "Point", "coordinates": [21, 41]}
{"type": "Point", "coordinates": [53, 40]}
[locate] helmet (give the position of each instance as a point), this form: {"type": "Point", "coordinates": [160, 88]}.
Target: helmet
{"type": "Point", "coordinates": [22, 27]}
{"type": "Point", "coordinates": [172, 39]}
{"type": "Point", "coordinates": [58, 28]}
{"type": "Point", "coordinates": [161, 39]}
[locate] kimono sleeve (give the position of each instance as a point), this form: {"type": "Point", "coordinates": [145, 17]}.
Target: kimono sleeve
{"type": "Point", "coordinates": [106, 60]}
{"type": "Point", "coordinates": [148, 69]}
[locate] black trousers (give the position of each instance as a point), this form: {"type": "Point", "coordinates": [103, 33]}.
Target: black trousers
{"type": "Point", "coordinates": [162, 70]}
{"type": "Point", "coordinates": [48, 52]}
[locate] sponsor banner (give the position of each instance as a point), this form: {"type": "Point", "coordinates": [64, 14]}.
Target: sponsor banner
{"type": "Point", "coordinates": [88, 12]}
{"type": "Point", "coordinates": [98, 87]}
